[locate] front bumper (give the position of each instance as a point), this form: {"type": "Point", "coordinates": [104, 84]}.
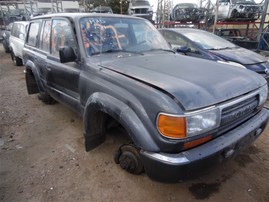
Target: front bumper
{"type": "Point", "coordinates": [190, 164]}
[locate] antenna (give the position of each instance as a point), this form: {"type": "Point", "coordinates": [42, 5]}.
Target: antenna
{"type": "Point", "coordinates": [101, 43]}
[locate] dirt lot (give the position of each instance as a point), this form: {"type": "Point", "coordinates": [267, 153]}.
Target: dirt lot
{"type": "Point", "coordinates": [42, 158]}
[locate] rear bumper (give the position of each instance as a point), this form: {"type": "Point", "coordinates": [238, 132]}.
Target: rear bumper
{"type": "Point", "coordinates": [190, 164]}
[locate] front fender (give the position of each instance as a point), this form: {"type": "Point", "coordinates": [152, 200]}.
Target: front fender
{"type": "Point", "coordinates": [122, 113]}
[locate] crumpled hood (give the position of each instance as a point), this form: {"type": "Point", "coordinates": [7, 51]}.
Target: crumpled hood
{"type": "Point", "coordinates": [195, 83]}
{"type": "Point", "coordinates": [240, 55]}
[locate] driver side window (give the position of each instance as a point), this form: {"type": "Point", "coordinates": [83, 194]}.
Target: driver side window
{"type": "Point", "coordinates": [62, 35]}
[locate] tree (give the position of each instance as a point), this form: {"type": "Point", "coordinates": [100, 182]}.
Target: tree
{"type": "Point", "coordinates": [115, 5]}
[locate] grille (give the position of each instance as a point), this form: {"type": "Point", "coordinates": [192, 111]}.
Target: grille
{"type": "Point", "coordinates": [234, 115]}
{"type": "Point", "coordinates": [141, 11]}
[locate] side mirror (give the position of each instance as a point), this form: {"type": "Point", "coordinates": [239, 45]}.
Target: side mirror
{"type": "Point", "coordinates": [182, 49]}
{"type": "Point", "coordinates": [67, 54]}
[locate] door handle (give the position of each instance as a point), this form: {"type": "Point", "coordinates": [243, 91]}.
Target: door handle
{"type": "Point", "coordinates": [48, 68]}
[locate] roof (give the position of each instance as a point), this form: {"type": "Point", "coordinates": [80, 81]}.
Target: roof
{"type": "Point", "coordinates": [81, 15]}
{"type": "Point", "coordinates": [21, 22]}
{"type": "Point", "coordinates": [183, 30]}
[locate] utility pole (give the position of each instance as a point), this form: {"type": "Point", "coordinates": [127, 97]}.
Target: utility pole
{"type": "Point", "coordinates": [265, 6]}
{"type": "Point", "coordinates": [121, 7]}
{"type": "Point", "coordinates": [216, 16]}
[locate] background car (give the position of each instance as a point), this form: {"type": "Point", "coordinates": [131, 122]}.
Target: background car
{"type": "Point", "coordinates": [187, 12]}
{"type": "Point", "coordinates": [202, 44]}
{"type": "Point", "coordinates": [6, 35]}
{"type": "Point", "coordinates": [140, 8]}
{"type": "Point", "coordinates": [16, 41]}
{"type": "Point", "coordinates": [243, 10]}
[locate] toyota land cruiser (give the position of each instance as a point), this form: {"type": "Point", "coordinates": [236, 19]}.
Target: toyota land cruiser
{"type": "Point", "coordinates": [182, 114]}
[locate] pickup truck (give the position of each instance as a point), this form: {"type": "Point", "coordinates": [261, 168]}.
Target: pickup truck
{"type": "Point", "coordinates": [183, 115]}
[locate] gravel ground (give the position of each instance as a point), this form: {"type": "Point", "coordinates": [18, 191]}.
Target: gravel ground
{"type": "Point", "coordinates": [42, 158]}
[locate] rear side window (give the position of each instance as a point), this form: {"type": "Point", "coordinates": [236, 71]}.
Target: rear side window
{"type": "Point", "coordinates": [45, 36]}
{"type": "Point", "coordinates": [33, 34]}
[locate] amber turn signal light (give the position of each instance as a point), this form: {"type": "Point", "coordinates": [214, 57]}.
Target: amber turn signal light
{"type": "Point", "coordinates": [172, 126]}
{"type": "Point", "coordinates": [197, 142]}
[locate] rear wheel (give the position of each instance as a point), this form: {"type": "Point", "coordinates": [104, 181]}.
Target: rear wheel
{"type": "Point", "coordinates": [16, 60]}
{"type": "Point", "coordinates": [46, 98]}
{"type": "Point", "coordinates": [234, 14]}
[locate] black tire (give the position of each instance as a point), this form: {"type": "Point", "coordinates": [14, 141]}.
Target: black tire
{"type": "Point", "coordinates": [46, 98]}
{"type": "Point", "coordinates": [16, 60]}
{"type": "Point", "coordinates": [234, 14]}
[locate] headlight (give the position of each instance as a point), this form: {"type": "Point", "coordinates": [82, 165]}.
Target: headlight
{"type": "Point", "coordinates": [4, 35]}
{"type": "Point", "coordinates": [232, 63]}
{"type": "Point", "coordinates": [263, 93]}
{"type": "Point", "coordinates": [203, 121]}
{"type": "Point", "coordinates": [188, 125]}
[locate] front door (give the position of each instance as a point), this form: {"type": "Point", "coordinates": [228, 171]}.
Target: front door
{"type": "Point", "coordinates": [63, 78]}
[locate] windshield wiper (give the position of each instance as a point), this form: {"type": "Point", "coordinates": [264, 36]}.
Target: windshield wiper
{"type": "Point", "coordinates": [160, 49]}
{"type": "Point", "coordinates": [220, 48]}
{"type": "Point", "coordinates": [116, 51]}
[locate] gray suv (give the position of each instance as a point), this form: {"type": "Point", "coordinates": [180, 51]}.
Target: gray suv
{"type": "Point", "coordinates": [118, 71]}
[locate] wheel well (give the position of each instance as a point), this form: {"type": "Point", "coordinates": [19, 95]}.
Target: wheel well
{"type": "Point", "coordinates": [99, 124]}
{"type": "Point", "coordinates": [31, 83]}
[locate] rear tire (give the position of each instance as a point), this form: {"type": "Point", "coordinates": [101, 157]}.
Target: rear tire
{"type": "Point", "coordinates": [234, 14]}
{"type": "Point", "coordinates": [16, 60]}
{"type": "Point", "coordinates": [46, 98]}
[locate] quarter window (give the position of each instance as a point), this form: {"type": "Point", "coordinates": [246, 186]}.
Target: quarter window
{"type": "Point", "coordinates": [33, 34]}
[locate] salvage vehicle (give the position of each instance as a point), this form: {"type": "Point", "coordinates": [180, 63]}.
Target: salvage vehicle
{"type": "Point", "coordinates": [119, 69]}
{"type": "Point", "coordinates": [235, 36]}
{"type": "Point", "coordinates": [203, 44]}
{"type": "Point", "coordinates": [6, 35]}
{"type": "Point", "coordinates": [239, 10]}
{"type": "Point", "coordinates": [187, 12]}
{"type": "Point", "coordinates": [16, 41]}
{"type": "Point", "coordinates": [140, 8]}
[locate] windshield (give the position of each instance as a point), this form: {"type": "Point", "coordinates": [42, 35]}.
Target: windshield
{"type": "Point", "coordinates": [208, 40]}
{"type": "Point", "coordinates": [40, 10]}
{"type": "Point", "coordinates": [245, 2]}
{"type": "Point", "coordinates": [187, 5]}
{"type": "Point", "coordinates": [140, 3]}
{"type": "Point", "coordinates": [15, 12]}
{"type": "Point", "coordinates": [114, 34]}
